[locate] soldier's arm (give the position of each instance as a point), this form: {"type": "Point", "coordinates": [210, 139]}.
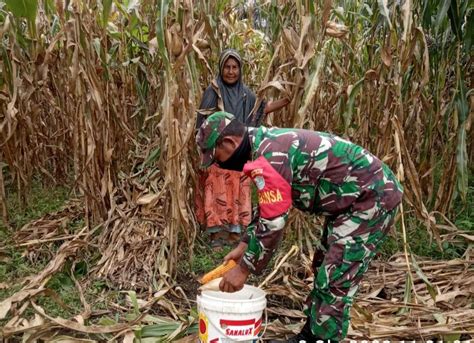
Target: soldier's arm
{"type": "Point", "coordinates": [272, 175]}
{"type": "Point", "coordinates": [263, 237]}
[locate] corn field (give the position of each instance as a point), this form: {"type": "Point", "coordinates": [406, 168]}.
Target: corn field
{"type": "Point", "coordinates": [101, 96]}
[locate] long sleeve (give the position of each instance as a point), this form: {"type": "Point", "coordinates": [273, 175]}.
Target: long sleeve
{"type": "Point", "coordinates": [272, 175]}
{"type": "Point", "coordinates": [263, 237]}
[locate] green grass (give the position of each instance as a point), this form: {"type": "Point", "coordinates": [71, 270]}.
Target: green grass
{"type": "Point", "coordinates": [464, 213]}
{"type": "Point", "coordinates": [420, 243]}
{"type": "Point", "coordinates": [63, 285]}
{"type": "Point", "coordinates": [205, 259]}
{"type": "Point", "coordinates": [42, 200]}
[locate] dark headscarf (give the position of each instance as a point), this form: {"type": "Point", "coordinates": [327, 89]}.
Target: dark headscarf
{"type": "Point", "coordinates": [238, 99]}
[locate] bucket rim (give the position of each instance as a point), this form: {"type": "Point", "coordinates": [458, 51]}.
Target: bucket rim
{"type": "Point", "coordinates": [211, 295]}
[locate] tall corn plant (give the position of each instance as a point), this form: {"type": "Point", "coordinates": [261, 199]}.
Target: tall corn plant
{"type": "Point", "coordinates": [372, 68]}
{"type": "Point", "coordinates": [86, 84]}
{"type": "Point", "coordinates": [177, 124]}
{"type": "Point", "coordinates": [450, 26]}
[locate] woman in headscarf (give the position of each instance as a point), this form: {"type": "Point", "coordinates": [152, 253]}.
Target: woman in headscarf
{"type": "Point", "coordinates": [225, 204]}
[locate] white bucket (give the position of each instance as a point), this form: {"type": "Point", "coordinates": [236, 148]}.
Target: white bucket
{"type": "Point", "coordinates": [231, 317]}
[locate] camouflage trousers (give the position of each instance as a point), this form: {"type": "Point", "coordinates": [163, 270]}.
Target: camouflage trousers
{"type": "Point", "coordinates": [351, 240]}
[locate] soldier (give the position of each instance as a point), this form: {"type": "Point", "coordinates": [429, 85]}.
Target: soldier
{"type": "Point", "coordinates": [315, 172]}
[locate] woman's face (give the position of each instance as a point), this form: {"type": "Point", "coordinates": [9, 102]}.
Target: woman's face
{"type": "Point", "coordinates": [231, 71]}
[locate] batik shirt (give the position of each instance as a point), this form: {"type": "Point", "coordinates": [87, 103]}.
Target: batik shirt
{"type": "Point", "coordinates": [315, 172]}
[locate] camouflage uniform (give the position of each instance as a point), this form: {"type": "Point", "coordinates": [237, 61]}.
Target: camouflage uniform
{"type": "Point", "coordinates": [323, 174]}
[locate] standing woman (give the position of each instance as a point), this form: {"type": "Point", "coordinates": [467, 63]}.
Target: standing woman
{"type": "Point", "coordinates": [225, 204]}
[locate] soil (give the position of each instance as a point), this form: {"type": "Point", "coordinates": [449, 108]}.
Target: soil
{"type": "Point", "coordinates": [189, 284]}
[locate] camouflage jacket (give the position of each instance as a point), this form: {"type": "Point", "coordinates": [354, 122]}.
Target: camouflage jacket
{"type": "Point", "coordinates": [315, 172]}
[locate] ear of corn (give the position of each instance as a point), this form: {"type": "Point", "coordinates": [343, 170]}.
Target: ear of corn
{"type": "Point", "coordinates": [218, 272]}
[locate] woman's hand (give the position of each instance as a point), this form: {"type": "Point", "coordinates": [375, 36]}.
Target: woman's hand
{"type": "Point", "coordinates": [272, 106]}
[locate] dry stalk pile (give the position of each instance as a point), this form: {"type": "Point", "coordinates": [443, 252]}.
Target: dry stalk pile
{"type": "Point", "coordinates": [38, 236]}
{"type": "Point", "coordinates": [134, 252]}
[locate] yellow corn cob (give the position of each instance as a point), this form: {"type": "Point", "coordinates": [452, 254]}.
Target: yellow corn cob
{"type": "Point", "coordinates": [218, 272]}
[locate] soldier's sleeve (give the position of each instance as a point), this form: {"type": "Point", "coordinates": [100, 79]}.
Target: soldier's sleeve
{"type": "Point", "coordinates": [272, 176]}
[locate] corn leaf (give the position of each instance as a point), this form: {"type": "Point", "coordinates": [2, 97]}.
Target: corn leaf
{"type": "Point", "coordinates": [461, 149]}
{"type": "Point", "coordinates": [407, 294]}
{"type": "Point", "coordinates": [383, 7]}
{"type": "Point", "coordinates": [441, 17]}
{"type": "Point", "coordinates": [106, 8]}
{"type": "Point", "coordinates": [423, 277]}
{"type": "Point", "coordinates": [23, 8]}
{"type": "Point", "coordinates": [160, 29]}
{"type": "Point", "coordinates": [351, 102]}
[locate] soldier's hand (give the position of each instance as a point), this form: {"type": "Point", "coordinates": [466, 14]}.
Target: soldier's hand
{"type": "Point", "coordinates": [237, 253]}
{"type": "Point", "coordinates": [234, 279]}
